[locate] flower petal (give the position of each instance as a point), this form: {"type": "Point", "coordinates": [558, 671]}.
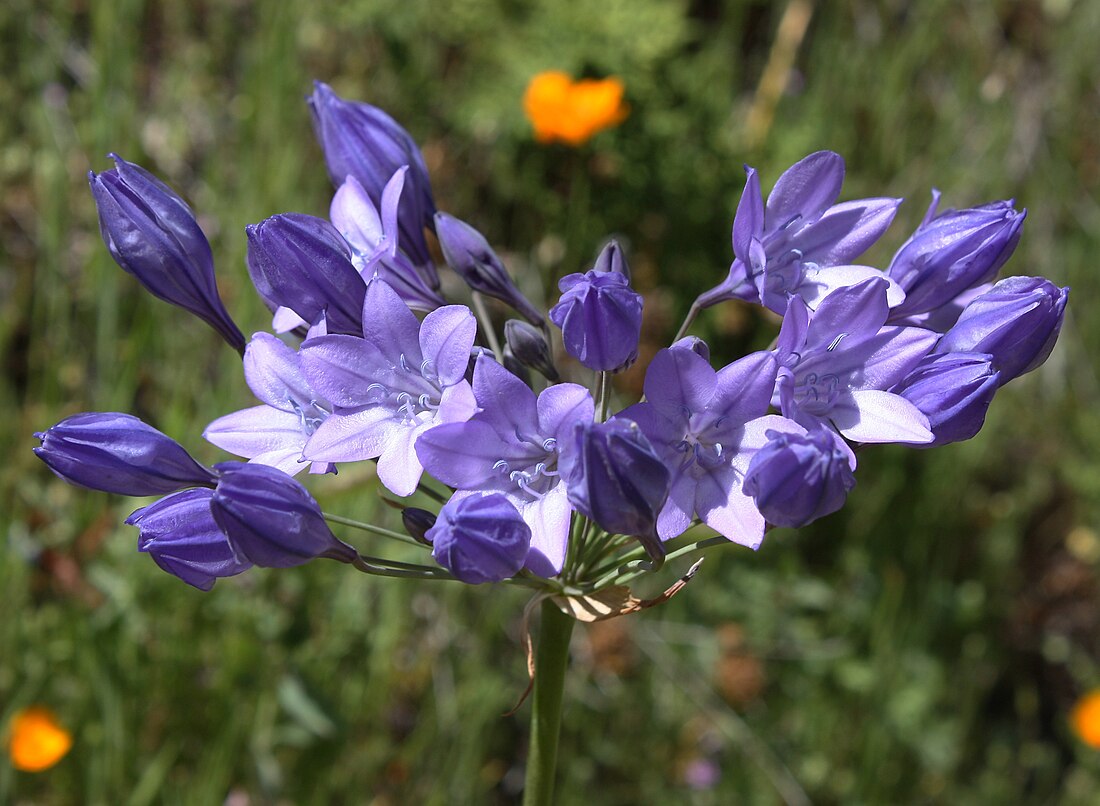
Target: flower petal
{"type": "Point", "coordinates": [446, 336]}
{"type": "Point", "coordinates": [354, 436]}
{"type": "Point", "coordinates": [806, 189]}
{"type": "Point", "coordinates": [549, 521]}
{"type": "Point", "coordinates": [870, 415]}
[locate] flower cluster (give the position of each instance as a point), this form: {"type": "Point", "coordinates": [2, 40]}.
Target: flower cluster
{"type": "Point", "coordinates": [536, 480]}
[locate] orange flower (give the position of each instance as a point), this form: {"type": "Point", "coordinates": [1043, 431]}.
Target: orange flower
{"type": "Point", "coordinates": [572, 111]}
{"type": "Point", "coordinates": [1086, 718]}
{"type": "Point", "coordinates": [37, 740]}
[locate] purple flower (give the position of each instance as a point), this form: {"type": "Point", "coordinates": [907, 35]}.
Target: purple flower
{"type": "Point", "coordinates": [180, 534]}
{"type": "Point", "coordinates": [801, 242]}
{"type": "Point", "coordinates": [510, 446]}
{"type": "Point", "coordinates": [417, 522]}
{"type": "Point", "coordinates": [270, 519]}
{"type": "Point", "coordinates": [118, 453]}
{"type": "Point", "coordinates": [480, 538]}
{"type": "Point", "coordinates": [953, 390]}
{"type": "Point", "coordinates": [1017, 322]}
{"type": "Point", "coordinates": [528, 345]}
{"type": "Point", "coordinates": [400, 380]}
{"type": "Point", "coordinates": [953, 252]}
{"type": "Point", "coordinates": [797, 478]}
{"type": "Point", "coordinates": [300, 262]}
{"type": "Point", "coordinates": [837, 364]}
{"type": "Point", "coordinates": [276, 432]}
{"type": "Point", "coordinates": [611, 258]}
{"type": "Point", "coordinates": [153, 235]}
{"type": "Point", "coordinates": [469, 254]}
{"type": "Point", "coordinates": [600, 317]}
{"type": "Point", "coordinates": [706, 426]}
{"type": "Point", "coordinates": [362, 141]}
{"type": "Point", "coordinates": [374, 240]}
{"type": "Point", "coordinates": [614, 476]}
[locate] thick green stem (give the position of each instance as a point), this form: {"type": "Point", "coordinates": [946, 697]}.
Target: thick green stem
{"type": "Point", "coordinates": [551, 658]}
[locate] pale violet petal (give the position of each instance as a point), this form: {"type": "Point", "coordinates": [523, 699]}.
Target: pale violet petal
{"type": "Point", "coordinates": [873, 416]}
{"type": "Point", "coordinates": [727, 510]}
{"type": "Point", "coordinates": [255, 431]}
{"type": "Point", "coordinates": [548, 518]}
{"type": "Point", "coordinates": [398, 468]}
{"type": "Point", "coordinates": [273, 373]}
{"type": "Point", "coordinates": [352, 437]}
{"type": "Point", "coordinates": [285, 320]}
{"type": "Point", "coordinates": [446, 336]}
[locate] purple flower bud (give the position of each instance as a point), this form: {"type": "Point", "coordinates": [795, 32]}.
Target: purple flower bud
{"type": "Point", "coordinates": [417, 522]}
{"type": "Point", "coordinates": [1016, 321]}
{"type": "Point", "coordinates": [270, 519]}
{"type": "Point", "coordinates": [361, 140]}
{"type": "Point", "coordinates": [613, 476]}
{"type": "Point", "coordinates": [480, 538]}
{"type": "Point", "coordinates": [153, 235]}
{"type": "Point", "coordinates": [118, 453]}
{"type": "Point", "coordinates": [528, 345]}
{"type": "Point", "coordinates": [301, 262]}
{"type": "Point", "coordinates": [952, 252]}
{"type": "Point", "coordinates": [796, 479]}
{"type": "Point", "coordinates": [469, 254]}
{"type": "Point", "coordinates": [600, 317]}
{"type": "Point", "coordinates": [180, 534]}
{"type": "Point", "coordinates": [611, 258]}
{"type": "Point", "coordinates": [954, 391]}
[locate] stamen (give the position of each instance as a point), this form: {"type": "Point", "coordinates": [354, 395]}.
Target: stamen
{"type": "Point", "coordinates": [836, 342]}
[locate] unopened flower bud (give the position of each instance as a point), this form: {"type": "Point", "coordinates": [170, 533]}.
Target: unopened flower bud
{"type": "Point", "coordinates": [528, 345]}
{"type": "Point", "coordinates": [600, 317]}
{"type": "Point", "coordinates": [417, 522]}
{"type": "Point", "coordinates": [611, 258]}
{"type": "Point", "coordinates": [480, 538]}
{"type": "Point", "coordinates": [954, 391]}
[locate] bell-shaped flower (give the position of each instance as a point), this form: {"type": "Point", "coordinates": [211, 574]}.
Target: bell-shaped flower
{"type": "Point", "coordinates": [180, 534]}
{"type": "Point", "coordinates": [613, 476]}
{"type": "Point", "coordinates": [362, 141]}
{"type": "Point", "coordinates": [300, 262]}
{"type": "Point", "coordinates": [953, 252]}
{"type": "Point", "coordinates": [276, 432]}
{"type": "Point", "coordinates": [480, 538]}
{"type": "Point", "coordinates": [797, 478]}
{"type": "Point", "coordinates": [270, 519]}
{"type": "Point", "coordinates": [118, 453]}
{"type": "Point", "coordinates": [611, 258]}
{"type": "Point", "coordinates": [837, 364]}
{"type": "Point", "coordinates": [801, 243]}
{"type": "Point", "coordinates": [706, 426]}
{"type": "Point", "coordinates": [400, 380]}
{"type": "Point", "coordinates": [953, 390]}
{"type": "Point", "coordinates": [1017, 322]}
{"type": "Point", "coordinates": [529, 346]}
{"type": "Point", "coordinates": [600, 317]}
{"type": "Point", "coordinates": [374, 237]}
{"type": "Point", "coordinates": [153, 235]}
{"type": "Point", "coordinates": [469, 254]}
{"type": "Point", "coordinates": [510, 446]}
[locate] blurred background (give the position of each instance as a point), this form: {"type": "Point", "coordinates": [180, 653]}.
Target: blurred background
{"type": "Point", "coordinates": [924, 644]}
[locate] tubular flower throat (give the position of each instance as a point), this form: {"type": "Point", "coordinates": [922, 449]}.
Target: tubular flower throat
{"type": "Point", "coordinates": [571, 112]}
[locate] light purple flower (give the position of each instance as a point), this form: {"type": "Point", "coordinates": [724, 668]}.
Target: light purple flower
{"type": "Point", "coordinates": [510, 446]}
{"type": "Point", "coordinates": [276, 432]}
{"type": "Point", "coordinates": [480, 538]}
{"type": "Point", "coordinates": [400, 380]}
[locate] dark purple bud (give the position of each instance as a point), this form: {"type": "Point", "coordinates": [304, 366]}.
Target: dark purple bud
{"type": "Point", "coordinates": [695, 344]}
{"type": "Point", "coordinates": [270, 519]}
{"type": "Point", "coordinates": [361, 140]}
{"type": "Point", "coordinates": [1017, 321]}
{"type": "Point", "coordinates": [417, 522]}
{"type": "Point", "coordinates": [600, 317]}
{"type": "Point", "coordinates": [480, 538]}
{"type": "Point", "coordinates": [952, 252]}
{"type": "Point", "coordinates": [953, 390]}
{"type": "Point", "coordinates": [796, 479]}
{"type": "Point", "coordinates": [469, 254]}
{"type": "Point", "coordinates": [180, 534]}
{"type": "Point", "coordinates": [118, 453]}
{"type": "Point", "coordinates": [611, 258]}
{"type": "Point", "coordinates": [613, 476]}
{"type": "Point", "coordinates": [153, 235]}
{"type": "Point", "coordinates": [514, 365]}
{"type": "Point", "coordinates": [528, 345]}
{"type": "Point", "coordinates": [301, 262]}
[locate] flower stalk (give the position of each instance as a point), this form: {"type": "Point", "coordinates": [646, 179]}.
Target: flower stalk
{"type": "Point", "coordinates": [551, 659]}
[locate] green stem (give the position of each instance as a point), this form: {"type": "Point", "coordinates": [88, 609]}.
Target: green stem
{"type": "Point", "coordinates": [688, 320]}
{"type": "Point", "coordinates": [486, 321]}
{"type": "Point", "coordinates": [551, 658]}
{"type": "Point", "coordinates": [372, 529]}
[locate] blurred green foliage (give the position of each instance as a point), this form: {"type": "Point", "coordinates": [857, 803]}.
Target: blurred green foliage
{"type": "Point", "coordinates": [923, 645]}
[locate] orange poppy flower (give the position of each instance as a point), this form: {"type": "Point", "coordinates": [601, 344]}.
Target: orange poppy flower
{"type": "Point", "coordinates": [1085, 718]}
{"type": "Point", "coordinates": [570, 111]}
{"type": "Point", "coordinates": [37, 741]}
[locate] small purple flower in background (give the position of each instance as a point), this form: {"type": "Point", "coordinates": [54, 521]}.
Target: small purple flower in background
{"type": "Point", "coordinates": [390, 387]}
{"type": "Point", "coordinates": [797, 478]}
{"type": "Point", "coordinates": [480, 538]}
{"type": "Point", "coordinates": [276, 432]}
{"type": "Point", "coordinates": [837, 363]}
{"type": "Point", "coordinates": [362, 141]}
{"type": "Point", "coordinates": [510, 446]}
{"type": "Point", "coordinates": [180, 534]}
{"type": "Point", "coordinates": [153, 235]}
{"type": "Point", "coordinates": [954, 391]}
{"type": "Point", "coordinates": [529, 346]}
{"type": "Point", "coordinates": [600, 317]}
{"type": "Point", "coordinates": [270, 519]}
{"type": "Point", "coordinates": [1017, 321]}
{"type": "Point", "coordinates": [118, 453]}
